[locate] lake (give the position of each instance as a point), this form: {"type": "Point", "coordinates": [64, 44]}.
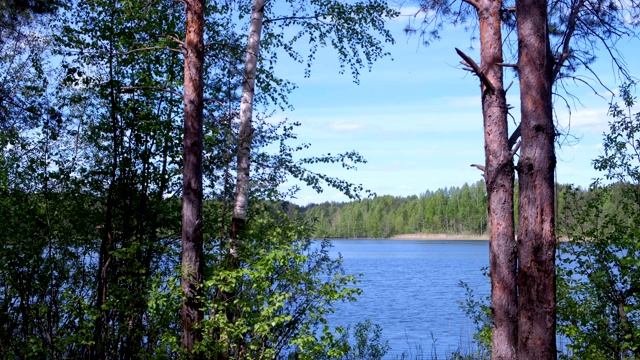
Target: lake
{"type": "Point", "coordinates": [411, 288]}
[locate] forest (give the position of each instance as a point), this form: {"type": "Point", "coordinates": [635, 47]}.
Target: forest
{"type": "Point", "coordinates": [122, 196]}
{"type": "Point", "coordinates": [141, 212]}
{"type": "Point", "coordinates": [451, 211]}
{"type": "Point", "coordinates": [454, 210]}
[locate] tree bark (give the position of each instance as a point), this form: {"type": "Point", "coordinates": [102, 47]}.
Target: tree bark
{"type": "Point", "coordinates": [499, 176]}
{"type": "Point", "coordinates": [245, 137]}
{"type": "Point", "coordinates": [192, 243]}
{"type": "Point", "coordinates": [246, 133]}
{"type": "Point", "coordinates": [536, 210]}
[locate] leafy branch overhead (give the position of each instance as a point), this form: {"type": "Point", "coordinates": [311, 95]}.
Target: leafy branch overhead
{"type": "Point", "coordinates": [355, 30]}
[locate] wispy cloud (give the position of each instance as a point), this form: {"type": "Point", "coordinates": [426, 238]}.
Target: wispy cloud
{"type": "Point", "coordinates": [342, 125]}
{"type": "Point", "coordinates": [592, 120]}
{"type": "Point", "coordinates": [411, 10]}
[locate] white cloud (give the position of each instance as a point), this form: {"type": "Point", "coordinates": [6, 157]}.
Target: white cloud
{"type": "Point", "coordinates": [342, 125]}
{"type": "Point", "coordinates": [592, 120]}
{"type": "Point", "coordinates": [410, 11]}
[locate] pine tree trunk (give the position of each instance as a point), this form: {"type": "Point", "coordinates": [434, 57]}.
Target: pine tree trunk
{"type": "Point", "coordinates": [499, 176]}
{"type": "Point", "coordinates": [536, 211]}
{"type": "Point", "coordinates": [192, 247]}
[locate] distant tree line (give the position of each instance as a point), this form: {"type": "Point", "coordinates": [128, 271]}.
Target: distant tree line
{"type": "Point", "coordinates": [451, 210]}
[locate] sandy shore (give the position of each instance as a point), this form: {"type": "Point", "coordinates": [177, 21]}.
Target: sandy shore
{"type": "Point", "coordinates": [440, 237]}
{"type": "Point", "coordinates": [430, 237]}
{"type": "Point", "coordinates": [465, 237]}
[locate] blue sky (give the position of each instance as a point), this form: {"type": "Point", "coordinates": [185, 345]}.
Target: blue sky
{"type": "Point", "coordinates": [416, 117]}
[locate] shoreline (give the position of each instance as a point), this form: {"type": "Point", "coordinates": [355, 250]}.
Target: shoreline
{"type": "Point", "coordinates": [448, 237]}
{"type": "Point", "coordinates": [440, 237]}
{"type": "Point", "coordinates": [430, 237]}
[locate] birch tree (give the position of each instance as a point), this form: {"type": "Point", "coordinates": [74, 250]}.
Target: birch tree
{"type": "Point", "coordinates": [245, 132]}
{"type": "Point", "coordinates": [348, 32]}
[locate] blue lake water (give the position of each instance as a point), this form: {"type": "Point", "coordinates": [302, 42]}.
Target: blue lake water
{"type": "Point", "coordinates": [411, 289]}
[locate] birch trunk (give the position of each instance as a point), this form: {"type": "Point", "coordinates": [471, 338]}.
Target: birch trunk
{"type": "Point", "coordinates": [192, 247]}
{"type": "Point", "coordinates": [536, 232]}
{"type": "Point", "coordinates": [246, 133]}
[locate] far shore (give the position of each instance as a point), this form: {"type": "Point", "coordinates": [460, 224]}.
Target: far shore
{"type": "Point", "coordinates": [440, 237]}
{"type": "Point", "coordinates": [431, 237]}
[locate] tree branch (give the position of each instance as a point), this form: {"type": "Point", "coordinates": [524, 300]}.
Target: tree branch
{"type": "Point", "coordinates": [476, 69]}
{"type": "Point", "coordinates": [514, 137]}
{"type": "Point", "coordinates": [616, 59]}
{"type": "Point", "coordinates": [153, 88]}
{"type": "Point", "coordinates": [149, 48]}
{"type": "Point", "coordinates": [175, 38]}
{"type": "Point", "coordinates": [218, 101]}
{"type": "Point", "coordinates": [291, 18]}
{"type": "Point", "coordinates": [515, 149]}
{"type": "Point", "coordinates": [571, 27]}
{"type": "Point", "coordinates": [508, 87]}
{"type": "Point", "coordinates": [474, 3]}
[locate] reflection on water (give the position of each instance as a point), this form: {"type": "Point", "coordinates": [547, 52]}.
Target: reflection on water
{"type": "Point", "coordinates": [411, 289]}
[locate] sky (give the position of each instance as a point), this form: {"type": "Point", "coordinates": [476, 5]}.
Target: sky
{"type": "Point", "coordinates": [416, 117]}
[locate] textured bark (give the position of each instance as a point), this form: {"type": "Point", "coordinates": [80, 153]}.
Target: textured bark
{"type": "Point", "coordinates": [192, 249]}
{"type": "Point", "coordinates": [243, 156]}
{"type": "Point", "coordinates": [536, 232]}
{"type": "Point", "coordinates": [499, 176]}
{"type": "Point", "coordinates": [246, 132]}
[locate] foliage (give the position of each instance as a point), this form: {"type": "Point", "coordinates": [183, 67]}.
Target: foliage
{"type": "Point", "coordinates": [364, 343]}
{"type": "Point", "coordinates": [368, 342]}
{"type": "Point", "coordinates": [479, 311]}
{"type": "Point", "coordinates": [15, 15]}
{"type": "Point", "coordinates": [450, 210]}
{"type": "Point", "coordinates": [89, 189]}
{"type": "Point", "coordinates": [598, 296]}
{"type": "Point", "coordinates": [285, 287]}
